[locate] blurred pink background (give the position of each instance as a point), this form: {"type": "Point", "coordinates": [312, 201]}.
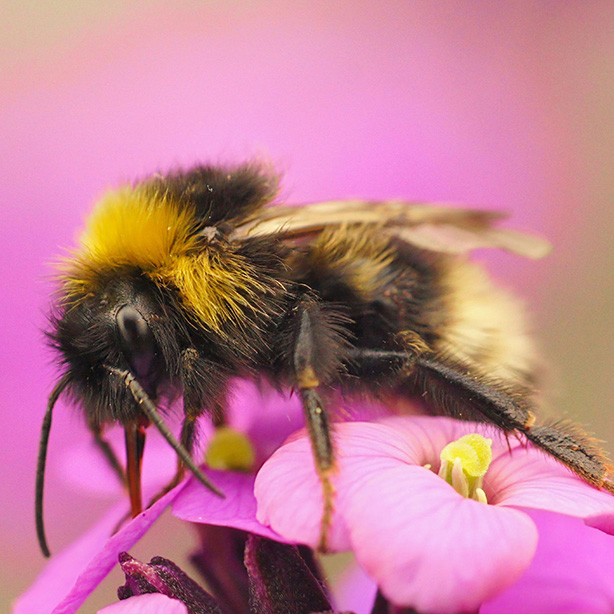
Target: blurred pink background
{"type": "Point", "coordinates": [500, 105]}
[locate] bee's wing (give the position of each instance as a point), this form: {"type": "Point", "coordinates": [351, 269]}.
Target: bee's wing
{"type": "Point", "coordinates": [429, 226]}
{"type": "Point", "coordinates": [456, 239]}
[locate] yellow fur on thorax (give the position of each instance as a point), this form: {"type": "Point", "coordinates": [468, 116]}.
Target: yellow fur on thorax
{"type": "Point", "coordinates": [135, 228]}
{"type": "Point", "coordinates": [130, 227]}
{"type": "Point", "coordinates": [361, 252]}
{"type": "Point", "coordinates": [486, 326]}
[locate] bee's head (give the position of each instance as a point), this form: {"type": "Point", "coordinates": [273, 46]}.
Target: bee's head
{"type": "Point", "coordinates": [124, 324]}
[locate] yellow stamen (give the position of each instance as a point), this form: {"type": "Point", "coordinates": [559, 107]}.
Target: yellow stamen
{"type": "Point", "coordinates": [464, 463]}
{"type": "Point", "coordinates": [230, 450]}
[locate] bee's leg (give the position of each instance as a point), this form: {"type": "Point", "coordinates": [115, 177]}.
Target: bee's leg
{"type": "Point", "coordinates": [512, 410]}
{"type": "Point", "coordinates": [323, 454]}
{"type": "Point", "coordinates": [187, 440]}
{"type": "Point", "coordinates": [453, 389]}
{"type": "Point", "coordinates": [315, 340]}
{"type": "Point", "coordinates": [199, 391]}
{"type": "Point", "coordinates": [203, 385]}
{"type": "Point", "coordinates": [108, 452]}
{"type": "Point", "coordinates": [445, 387]}
{"type": "Point", "coordinates": [189, 435]}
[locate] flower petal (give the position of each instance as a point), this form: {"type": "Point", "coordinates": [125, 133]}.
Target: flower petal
{"type": "Point", "coordinates": [407, 526]}
{"type": "Point", "coordinates": [431, 434]}
{"type": "Point", "coordinates": [289, 492]}
{"type": "Point", "coordinates": [520, 474]}
{"type": "Point", "coordinates": [289, 496]}
{"type": "Point", "coordinates": [265, 415]}
{"type": "Point", "coordinates": [237, 509]}
{"type": "Point", "coordinates": [146, 604]}
{"type": "Point", "coordinates": [529, 478]}
{"type": "Point", "coordinates": [73, 574]}
{"type": "Point", "coordinates": [354, 590]}
{"type": "Point", "coordinates": [431, 549]}
{"type": "Point", "coordinates": [571, 571]}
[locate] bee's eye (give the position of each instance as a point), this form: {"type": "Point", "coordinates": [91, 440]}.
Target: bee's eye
{"type": "Point", "coordinates": [132, 326]}
{"type": "Point", "coordinates": [137, 340]}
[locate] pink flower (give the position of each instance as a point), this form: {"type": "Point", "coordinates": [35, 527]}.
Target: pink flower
{"type": "Point", "coordinates": [422, 544]}
{"type": "Point", "coordinates": [72, 574]}
{"type": "Point", "coordinates": [425, 545]}
{"type": "Point", "coordinates": [571, 571]}
{"type": "Point", "coordinates": [146, 604]}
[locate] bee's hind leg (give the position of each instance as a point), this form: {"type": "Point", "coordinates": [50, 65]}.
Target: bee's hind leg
{"type": "Point", "coordinates": [453, 389]}
{"type": "Point", "coordinates": [511, 408]}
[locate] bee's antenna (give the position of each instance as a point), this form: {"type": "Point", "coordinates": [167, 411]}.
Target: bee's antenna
{"type": "Point", "coordinates": [148, 407]}
{"type": "Point", "coordinates": [42, 458]}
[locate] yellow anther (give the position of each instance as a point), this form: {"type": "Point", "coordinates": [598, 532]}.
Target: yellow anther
{"type": "Point", "coordinates": [230, 450]}
{"type": "Point", "coordinates": [464, 463]}
{"type": "Point", "coordinates": [474, 452]}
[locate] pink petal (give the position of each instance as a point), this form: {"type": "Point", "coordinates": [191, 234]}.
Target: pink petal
{"type": "Point", "coordinates": [354, 591]}
{"type": "Point", "coordinates": [431, 434]}
{"type": "Point", "coordinates": [83, 466]}
{"type": "Point", "coordinates": [146, 604]}
{"type": "Point", "coordinates": [237, 509]}
{"type": "Point", "coordinates": [431, 549]}
{"type": "Point", "coordinates": [289, 496]}
{"type": "Point", "coordinates": [407, 527]}
{"type": "Point", "coordinates": [266, 416]}
{"type": "Point", "coordinates": [571, 571]}
{"type": "Point", "coordinates": [603, 522]}
{"type": "Point", "coordinates": [520, 474]}
{"type": "Point", "coordinates": [72, 575]}
{"type": "Point", "coordinates": [289, 493]}
{"type": "Point", "coordinates": [529, 478]}
{"type": "Point", "coordinates": [415, 440]}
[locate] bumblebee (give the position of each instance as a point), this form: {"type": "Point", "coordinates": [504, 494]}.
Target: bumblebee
{"type": "Point", "coordinates": [184, 281]}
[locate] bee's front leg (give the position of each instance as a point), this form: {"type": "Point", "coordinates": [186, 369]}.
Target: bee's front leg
{"type": "Point", "coordinates": [105, 447]}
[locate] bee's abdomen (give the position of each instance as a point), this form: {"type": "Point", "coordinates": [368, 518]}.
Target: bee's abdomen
{"type": "Point", "coordinates": [485, 327]}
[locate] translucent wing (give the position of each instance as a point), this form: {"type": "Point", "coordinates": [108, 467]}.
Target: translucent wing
{"type": "Point", "coordinates": [430, 226]}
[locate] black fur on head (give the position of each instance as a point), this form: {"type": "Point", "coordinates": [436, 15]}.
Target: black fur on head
{"type": "Point", "coordinates": [87, 336]}
{"type": "Point", "coordinates": [221, 195]}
